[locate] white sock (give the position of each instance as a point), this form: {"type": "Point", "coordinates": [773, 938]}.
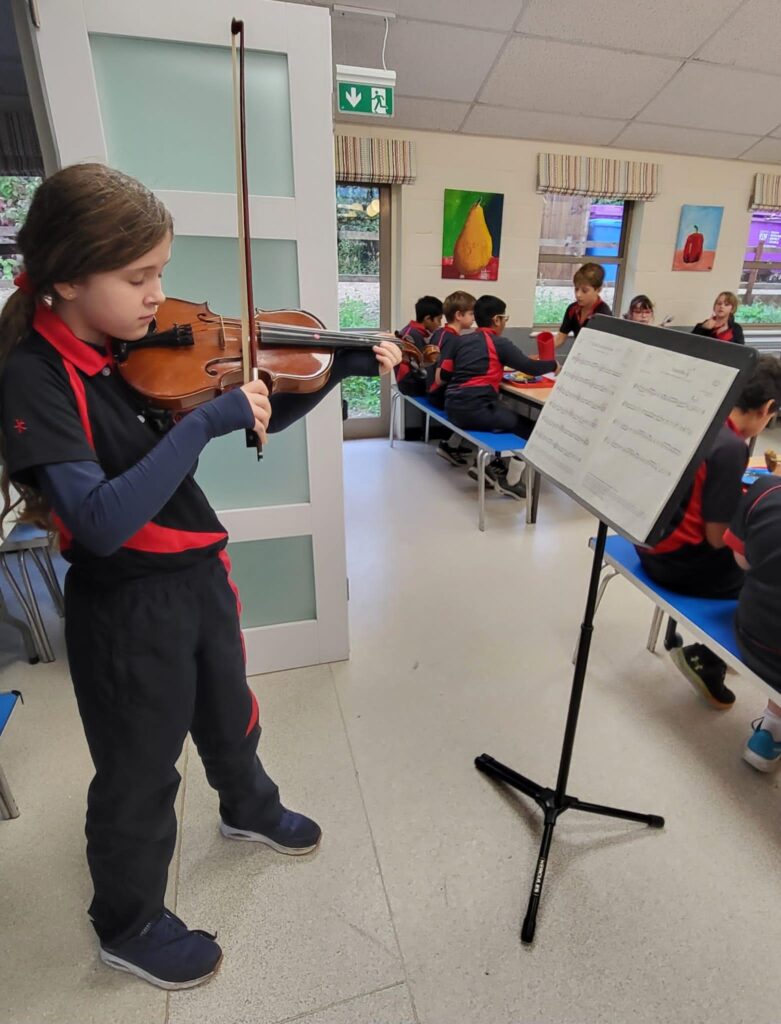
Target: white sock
{"type": "Point", "coordinates": [515, 472]}
{"type": "Point", "coordinates": [772, 723]}
{"type": "Point", "coordinates": [453, 440]}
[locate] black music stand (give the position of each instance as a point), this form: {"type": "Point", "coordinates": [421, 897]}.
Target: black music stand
{"type": "Point", "coordinates": [545, 456]}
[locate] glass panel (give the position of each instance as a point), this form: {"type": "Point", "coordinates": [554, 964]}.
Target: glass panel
{"type": "Point", "coordinates": [581, 226]}
{"type": "Point", "coordinates": [275, 579]}
{"type": "Point", "coordinates": [16, 191]}
{"type": "Point", "coordinates": [205, 268]}
{"type": "Point", "coordinates": [760, 286]}
{"type": "Point", "coordinates": [358, 232]}
{"type": "Point", "coordinates": [554, 291]}
{"type": "Point", "coordinates": [155, 95]}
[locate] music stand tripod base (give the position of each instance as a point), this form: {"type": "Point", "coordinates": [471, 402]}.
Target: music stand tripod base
{"type": "Point", "coordinates": [554, 802]}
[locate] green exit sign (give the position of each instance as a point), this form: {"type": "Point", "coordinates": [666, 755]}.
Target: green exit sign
{"type": "Point", "coordinates": [374, 100]}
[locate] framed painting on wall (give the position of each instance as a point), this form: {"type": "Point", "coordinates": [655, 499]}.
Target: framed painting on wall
{"type": "Point", "coordinates": [472, 235]}
{"type": "Point", "coordinates": [698, 237]}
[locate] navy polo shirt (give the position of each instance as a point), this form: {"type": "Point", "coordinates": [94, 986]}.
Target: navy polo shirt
{"type": "Point", "coordinates": [755, 533]}
{"type": "Point", "coordinates": [574, 318]}
{"type": "Point", "coordinates": [62, 400]}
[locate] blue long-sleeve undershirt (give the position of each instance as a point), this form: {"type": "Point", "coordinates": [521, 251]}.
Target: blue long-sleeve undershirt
{"type": "Point", "coordinates": [101, 513]}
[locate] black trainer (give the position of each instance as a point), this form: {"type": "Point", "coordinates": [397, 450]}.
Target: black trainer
{"type": "Point", "coordinates": [706, 672]}
{"type": "Point", "coordinates": [453, 455]}
{"type": "Point", "coordinates": [516, 490]}
{"type": "Point", "coordinates": [493, 470]}
{"type": "Point", "coordinates": [167, 953]}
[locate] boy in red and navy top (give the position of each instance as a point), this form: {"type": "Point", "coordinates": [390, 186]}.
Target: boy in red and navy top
{"type": "Point", "coordinates": [755, 539]}
{"type": "Point", "coordinates": [588, 281]}
{"type": "Point", "coordinates": [428, 318]}
{"type": "Point", "coordinates": [459, 310]}
{"type": "Point", "coordinates": [721, 325]}
{"type": "Point", "coordinates": [472, 396]}
{"type": "Point", "coordinates": [693, 558]}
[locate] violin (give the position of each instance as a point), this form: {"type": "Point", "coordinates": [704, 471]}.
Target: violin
{"type": "Point", "coordinates": [194, 354]}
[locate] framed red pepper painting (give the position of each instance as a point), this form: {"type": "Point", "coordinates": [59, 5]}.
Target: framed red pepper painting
{"type": "Point", "coordinates": [698, 236]}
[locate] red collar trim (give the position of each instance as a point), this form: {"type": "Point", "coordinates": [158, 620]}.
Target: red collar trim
{"type": "Point", "coordinates": [61, 337]}
{"type": "Point", "coordinates": [450, 329]}
{"type": "Point", "coordinates": [419, 327]}
{"type": "Point", "coordinates": [734, 429]}
{"type": "Point", "coordinates": [491, 330]}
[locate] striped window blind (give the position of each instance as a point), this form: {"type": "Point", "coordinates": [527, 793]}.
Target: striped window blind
{"type": "Point", "coordinates": [596, 176]}
{"type": "Point", "coordinates": [374, 161]}
{"type": "Point", "coordinates": [766, 194]}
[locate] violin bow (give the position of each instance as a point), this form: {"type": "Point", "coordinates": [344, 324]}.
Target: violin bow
{"type": "Point", "coordinates": [250, 340]}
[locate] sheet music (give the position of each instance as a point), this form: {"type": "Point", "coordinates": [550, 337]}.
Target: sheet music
{"type": "Point", "coordinates": [623, 422]}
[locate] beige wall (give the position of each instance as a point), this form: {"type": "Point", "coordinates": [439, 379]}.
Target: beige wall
{"type": "Point", "coordinates": [509, 166]}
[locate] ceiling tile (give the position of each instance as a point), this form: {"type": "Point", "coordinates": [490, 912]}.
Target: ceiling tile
{"type": "Point", "coordinates": [671, 27]}
{"type": "Point", "coordinates": [704, 96]}
{"type": "Point", "coordinates": [751, 40]}
{"type": "Point", "coordinates": [777, 132]}
{"type": "Point", "coordinates": [418, 53]}
{"type": "Point", "coordinates": [766, 151]}
{"type": "Point", "coordinates": [528, 124]}
{"type": "Point", "coordinates": [535, 74]}
{"type": "Point", "coordinates": [497, 14]}
{"type": "Point", "coordinates": [427, 115]}
{"type": "Point", "coordinates": [666, 139]}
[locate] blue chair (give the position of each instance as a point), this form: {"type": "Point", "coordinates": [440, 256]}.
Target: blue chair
{"type": "Point", "coordinates": [8, 808]}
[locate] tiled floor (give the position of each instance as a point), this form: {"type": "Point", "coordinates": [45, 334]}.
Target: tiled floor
{"type": "Point", "coordinates": [410, 911]}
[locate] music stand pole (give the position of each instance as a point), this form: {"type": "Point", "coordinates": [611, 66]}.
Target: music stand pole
{"type": "Point", "coordinates": [554, 802]}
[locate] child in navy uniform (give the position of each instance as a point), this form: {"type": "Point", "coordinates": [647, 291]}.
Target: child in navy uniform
{"type": "Point", "coordinates": [472, 395]}
{"type": "Point", "coordinates": [428, 318]}
{"type": "Point", "coordinates": [588, 281]}
{"type": "Point", "coordinates": [459, 319]}
{"type": "Point", "coordinates": [721, 325]}
{"type": "Point", "coordinates": [151, 620]}
{"type": "Point", "coordinates": [693, 558]}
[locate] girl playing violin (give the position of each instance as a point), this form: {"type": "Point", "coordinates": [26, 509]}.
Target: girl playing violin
{"type": "Point", "coordinates": [152, 626]}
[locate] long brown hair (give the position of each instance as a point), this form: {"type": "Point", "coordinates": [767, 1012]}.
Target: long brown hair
{"type": "Point", "coordinates": [85, 219]}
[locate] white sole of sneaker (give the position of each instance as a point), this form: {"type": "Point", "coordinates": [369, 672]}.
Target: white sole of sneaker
{"type": "Point", "coordinates": [762, 764]}
{"type": "Point", "coordinates": [111, 960]}
{"type": "Point", "coordinates": [255, 837]}
{"type": "Point", "coordinates": [510, 494]}
{"type": "Point", "coordinates": [488, 481]}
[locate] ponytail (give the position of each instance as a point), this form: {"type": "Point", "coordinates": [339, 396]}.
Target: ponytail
{"type": "Point", "coordinates": [16, 321]}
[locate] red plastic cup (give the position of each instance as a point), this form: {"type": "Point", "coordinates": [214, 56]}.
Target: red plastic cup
{"type": "Point", "coordinates": [546, 347]}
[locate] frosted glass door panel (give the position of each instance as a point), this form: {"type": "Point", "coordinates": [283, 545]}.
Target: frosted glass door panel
{"type": "Point", "coordinates": [155, 95]}
{"type": "Point", "coordinates": [205, 269]}
{"type": "Point", "coordinates": [275, 579]}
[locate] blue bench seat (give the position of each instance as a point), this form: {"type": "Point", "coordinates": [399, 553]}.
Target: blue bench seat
{"type": "Point", "coordinates": [487, 443]}
{"type": "Point", "coordinates": [8, 808]}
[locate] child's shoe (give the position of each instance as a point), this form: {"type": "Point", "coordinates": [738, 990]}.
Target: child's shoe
{"type": "Point", "coordinates": [453, 455]}
{"type": "Point", "coordinates": [493, 470]}
{"type": "Point", "coordinates": [706, 672]}
{"type": "Point", "coordinates": [762, 751]}
{"type": "Point", "coordinates": [293, 833]}
{"type": "Point", "coordinates": [517, 490]}
{"type": "Point", "coordinates": [167, 953]}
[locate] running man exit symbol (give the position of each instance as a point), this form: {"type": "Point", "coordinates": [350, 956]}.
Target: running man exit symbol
{"type": "Point", "coordinates": [355, 98]}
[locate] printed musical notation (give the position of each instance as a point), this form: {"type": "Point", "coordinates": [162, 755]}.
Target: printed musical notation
{"type": "Point", "coordinates": [623, 423]}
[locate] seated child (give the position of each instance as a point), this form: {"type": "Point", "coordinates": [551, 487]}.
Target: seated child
{"type": "Point", "coordinates": [472, 383]}
{"type": "Point", "coordinates": [721, 324]}
{"type": "Point", "coordinates": [428, 318]}
{"type": "Point", "coordinates": [755, 539]}
{"type": "Point", "coordinates": [641, 310]}
{"type": "Point", "coordinates": [588, 302]}
{"type": "Point", "coordinates": [459, 319]}
{"type": "Point", "coordinates": [693, 557]}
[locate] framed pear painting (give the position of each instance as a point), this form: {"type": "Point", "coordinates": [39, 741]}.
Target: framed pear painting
{"type": "Point", "coordinates": [472, 235]}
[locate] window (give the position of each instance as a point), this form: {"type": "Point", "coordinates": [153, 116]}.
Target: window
{"type": "Point", "coordinates": [760, 282]}
{"type": "Point", "coordinates": [362, 229]}
{"type": "Point", "coordinates": [15, 196]}
{"type": "Point", "coordinates": [576, 230]}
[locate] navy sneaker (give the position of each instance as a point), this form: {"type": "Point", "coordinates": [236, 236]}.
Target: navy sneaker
{"type": "Point", "coordinates": [762, 751]}
{"type": "Point", "coordinates": [167, 953]}
{"type": "Point", "coordinates": [452, 455]}
{"type": "Point", "coordinates": [293, 833]}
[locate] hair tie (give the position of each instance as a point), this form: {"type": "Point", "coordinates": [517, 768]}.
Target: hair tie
{"type": "Point", "coordinates": [24, 284]}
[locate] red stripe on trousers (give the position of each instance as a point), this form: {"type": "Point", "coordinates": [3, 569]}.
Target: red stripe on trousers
{"type": "Point", "coordinates": [255, 712]}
